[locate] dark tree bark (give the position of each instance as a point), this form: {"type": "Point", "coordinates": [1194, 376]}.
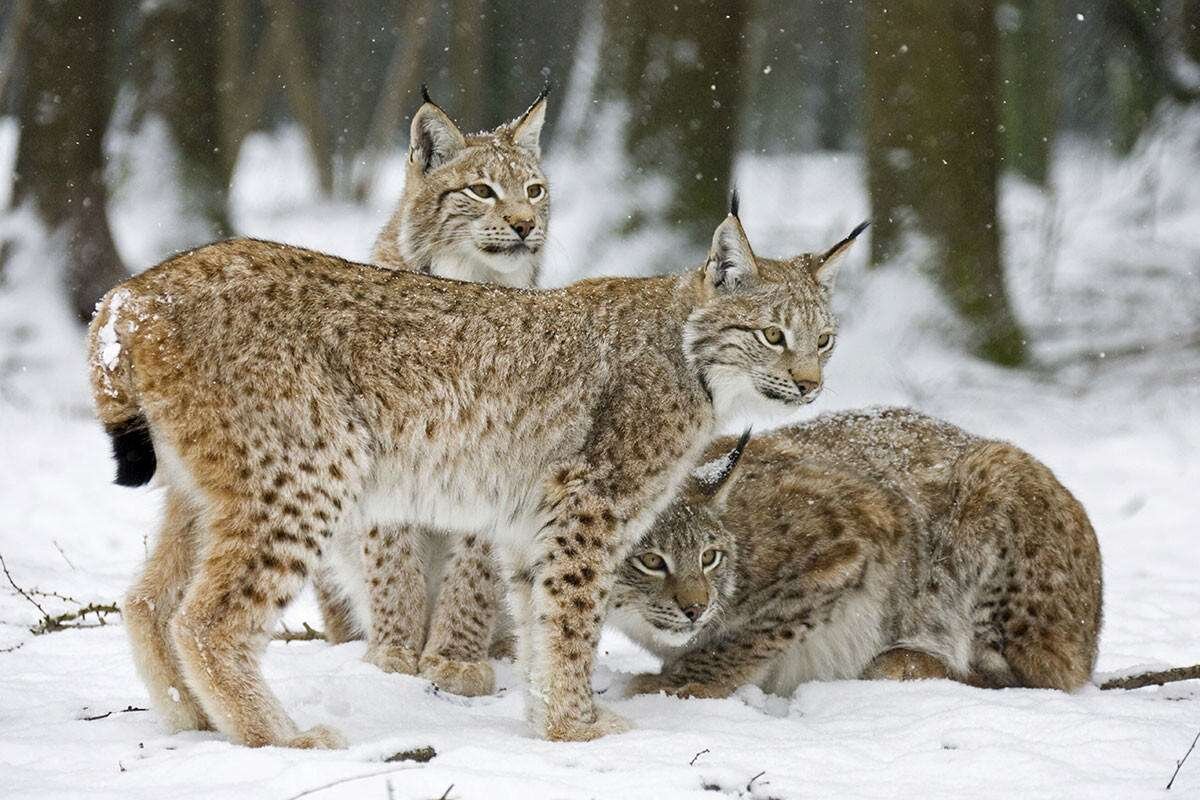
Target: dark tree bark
{"type": "Point", "coordinates": [181, 81]}
{"type": "Point", "coordinates": [65, 106]}
{"type": "Point", "coordinates": [467, 46]}
{"type": "Point", "coordinates": [678, 69]}
{"type": "Point", "coordinates": [1029, 93]}
{"type": "Point", "coordinates": [933, 154]}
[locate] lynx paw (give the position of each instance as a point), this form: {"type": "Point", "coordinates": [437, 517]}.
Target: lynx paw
{"type": "Point", "coordinates": [605, 724]}
{"type": "Point", "coordinates": [392, 658]}
{"type": "Point", "coordinates": [182, 712]}
{"type": "Point", "coordinates": [650, 683]}
{"type": "Point", "coordinates": [318, 737]}
{"type": "Point", "coordinates": [902, 664]}
{"type": "Point", "coordinates": [468, 678]}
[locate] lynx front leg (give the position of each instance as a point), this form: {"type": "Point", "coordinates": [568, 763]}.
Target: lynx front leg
{"type": "Point", "coordinates": [455, 655]}
{"type": "Point", "coordinates": [718, 668]}
{"type": "Point", "coordinates": [337, 614]}
{"type": "Point", "coordinates": [569, 590]}
{"type": "Point", "coordinates": [396, 586]}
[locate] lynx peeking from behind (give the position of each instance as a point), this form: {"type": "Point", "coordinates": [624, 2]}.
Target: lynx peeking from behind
{"type": "Point", "coordinates": [475, 207]}
{"type": "Point", "coordinates": [293, 403]}
{"type": "Point", "coordinates": [878, 544]}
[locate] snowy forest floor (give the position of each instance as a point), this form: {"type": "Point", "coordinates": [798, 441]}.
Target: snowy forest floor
{"type": "Point", "coordinates": [1105, 273]}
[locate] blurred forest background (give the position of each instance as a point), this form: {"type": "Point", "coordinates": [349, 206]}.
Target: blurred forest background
{"type": "Point", "coordinates": [939, 98]}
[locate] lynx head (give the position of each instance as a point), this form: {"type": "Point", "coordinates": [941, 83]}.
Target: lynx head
{"type": "Point", "coordinates": [682, 572]}
{"type": "Point", "coordinates": [475, 206]}
{"type": "Point", "coordinates": [763, 326]}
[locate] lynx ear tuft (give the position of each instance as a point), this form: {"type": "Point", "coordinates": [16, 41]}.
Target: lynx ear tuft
{"type": "Point", "coordinates": [731, 263]}
{"type": "Point", "coordinates": [527, 128]}
{"type": "Point", "coordinates": [825, 267]}
{"type": "Point", "coordinates": [434, 138]}
{"type": "Point", "coordinates": [425, 94]}
{"type": "Point", "coordinates": [712, 477]}
{"type": "Point", "coordinates": [733, 202]}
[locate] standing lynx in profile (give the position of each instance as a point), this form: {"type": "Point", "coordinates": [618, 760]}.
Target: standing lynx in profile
{"type": "Point", "coordinates": [476, 208]}
{"type": "Point", "coordinates": [878, 544]}
{"type": "Point", "coordinates": [296, 405]}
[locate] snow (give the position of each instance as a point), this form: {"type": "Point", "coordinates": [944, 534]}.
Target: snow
{"type": "Point", "coordinates": [1105, 262]}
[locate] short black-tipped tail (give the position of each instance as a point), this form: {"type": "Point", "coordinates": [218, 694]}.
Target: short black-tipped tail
{"type": "Point", "coordinates": [133, 450]}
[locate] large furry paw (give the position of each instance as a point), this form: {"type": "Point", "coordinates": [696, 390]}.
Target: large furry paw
{"type": "Point", "coordinates": [606, 723]}
{"type": "Point", "coordinates": [902, 664]}
{"type": "Point", "coordinates": [318, 737]}
{"type": "Point", "coordinates": [653, 683]}
{"type": "Point", "coordinates": [392, 658]}
{"type": "Point", "coordinates": [468, 678]}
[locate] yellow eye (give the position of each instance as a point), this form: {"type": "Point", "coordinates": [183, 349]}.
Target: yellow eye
{"type": "Point", "coordinates": [481, 190]}
{"type": "Point", "coordinates": [824, 341]}
{"type": "Point", "coordinates": [710, 558]}
{"type": "Point", "coordinates": [535, 191]}
{"type": "Point", "coordinates": [773, 335]}
{"type": "Point", "coordinates": [653, 562]}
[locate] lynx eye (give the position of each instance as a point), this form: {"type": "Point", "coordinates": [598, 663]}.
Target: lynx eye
{"type": "Point", "coordinates": [824, 342]}
{"type": "Point", "coordinates": [481, 190]}
{"type": "Point", "coordinates": [710, 558]}
{"type": "Point", "coordinates": [772, 335]}
{"type": "Point", "coordinates": [651, 562]}
{"type": "Point", "coordinates": [535, 191]}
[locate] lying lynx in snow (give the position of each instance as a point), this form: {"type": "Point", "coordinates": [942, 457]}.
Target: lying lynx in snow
{"type": "Point", "coordinates": [880, 544]}
{"type": "Point", "coordinates": [294, 404]}
{"type": "Point", "coordinates": [475, 207]}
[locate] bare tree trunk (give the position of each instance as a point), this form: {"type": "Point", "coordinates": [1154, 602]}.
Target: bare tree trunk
{"type": "Point", "coordinates": [467, 48]}
{"type": "Point", "coordinates": [678, 69]}
{"type": "Point", "coordinates": [297, 61]}
{"type": "Point", "coordinates": [182, 85]}
{"type": "Point", "coordinates": [933, 154]}
{"type": "Point", "coordinates": [399, 93]}
{"type": "Point", "coordinates": [64, 110]}
{"type": "Point", "coordinates": [1029, 30]}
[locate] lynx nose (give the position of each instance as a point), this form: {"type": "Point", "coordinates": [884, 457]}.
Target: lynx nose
{"type": "Point", "coordinates": [523, 227]}
{"type": "Point", "coordinates": [693, 612]}
{"type": "Point", "coordinates": [805, 381]}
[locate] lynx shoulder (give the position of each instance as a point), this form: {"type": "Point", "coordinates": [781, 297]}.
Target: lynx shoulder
{"type": "Point", "coordinates": [869, 544]}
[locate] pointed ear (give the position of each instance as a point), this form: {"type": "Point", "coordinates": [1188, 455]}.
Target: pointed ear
{"type": "Point", "coordinates": [825, 266]}
{"type": "Point", "coordinates": [730, 264]}
{"type": "Point", "coordinates": [434, 139]}
{"type": "Point", "coordinates": [713, 478]}
{"type": "Point", "coordinates": [527, 128]}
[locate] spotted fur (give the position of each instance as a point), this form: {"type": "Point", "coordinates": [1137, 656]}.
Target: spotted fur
{"type": "Point", "coordinates": [297, 402]}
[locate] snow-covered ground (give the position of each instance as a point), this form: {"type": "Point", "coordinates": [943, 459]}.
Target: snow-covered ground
{"type": "Point", "coordinates": [1106, 274]}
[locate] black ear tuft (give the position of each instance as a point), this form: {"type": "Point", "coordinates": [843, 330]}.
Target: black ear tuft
{"type": "Point", "coordinates": [862, 226]}
{"type": "Point", "coordinates": [544, 93]}
{"type": "Point", "coordinates": [733, 202]}
{"type": "Point", "coordinates": [712, 476]}
{"type": "Point", "coordinates": [425, 94]}
{"type": "Point", "coordinates": [133, 450]}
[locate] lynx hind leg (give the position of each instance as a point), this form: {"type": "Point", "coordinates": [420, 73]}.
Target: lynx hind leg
{"type": "Point", "coordinates": [147, 611]}
{"type": "Point", "coordinates": [271, 515]}
{"type": "Point", "coordinates": [464, 617]}
{"type": "Point", "coordinates": [337, 612]}
{"type": "Point", "coordinates": [1046, 611]}
{"type": "Point", "coordinates": [396, 587]}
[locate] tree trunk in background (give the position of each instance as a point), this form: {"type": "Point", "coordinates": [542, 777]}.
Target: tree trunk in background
{"type": "Point", "coordinates": [678, 70]}
{"type": "Point", "coordinates": [933, 154]}
{"type": "Point", "coordinates": [1191, 29]}
{"type": "Point", "coordinates": [1029, 93]}
{"type": "Point", "coordinates": [467, 45]}
{"type": "Point", "coordinates": [64, 110]}
{"type": "Point", "coordinates": [182, 79]}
